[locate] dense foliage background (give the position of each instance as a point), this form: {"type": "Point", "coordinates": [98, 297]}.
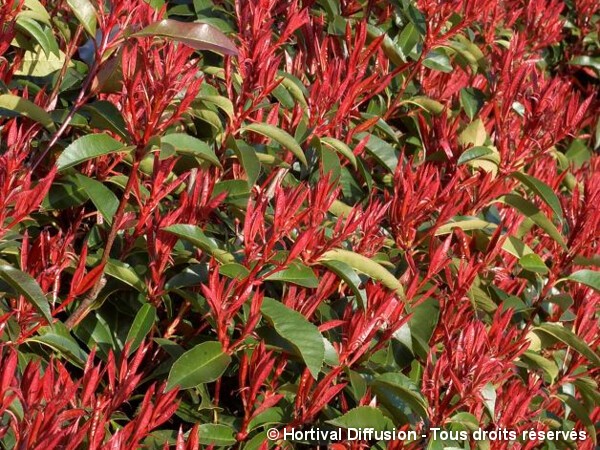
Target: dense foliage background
{"type": "Point", "coordinates": [332, 213]}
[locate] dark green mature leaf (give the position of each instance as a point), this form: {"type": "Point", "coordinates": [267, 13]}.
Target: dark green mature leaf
{"type": "Point", "coordinates": [189, 145]}
{"type": "Point", "coordinates": [200, 36]}
{"type": "Point", "coordinates": [141, 326]}
{"type": "Point", "coordinates": [278, 135]}
{"type": "Point", "coordinates": [298, 331]}
{"type": "Point", "coordinates": [471, 99]}
{"type": "Point", "coordinates": [566, 336]}
{"type": "Point", "coordinates": [204, 363]}
{"type": "Point", "coordinates": [34, 29]}
{"type": "Point", "coordinates": [103, 198]}
{"type": "Point", "coordinates": [366, 266]}
{"type": "Point", "coordinates": [105, 116]}
{"type": "Point", "coordinates": [197, 237]}
{"type": "Point", "coordinates": [533, 263]}
{"type": "Point", "coordinates": [216, 434]}
{"type": "Point", "coordinates": [60, 340]}
{"type": "Point", "coordinates": [381, 150]}
{"type": "Point", "coordinates": [473, 153]}
{"type": "Point", "coordinates": [27, 109]}
{"type": "Point", "coordinates": [402, 387]}
{"type": "Point", "coordinates": [538, 361]}
{"type": "Point", "coordinates": [363, 417]}
{"type": "Point", "coordinates": [541, 189]}
{"type": "Point", "coordinates": [296, 273]}
{"type": "Point", "coordinates": [88, 147]}
{"type": "Point", "coordinates": [588, 277]}
{"type": "Point", "coordinates": [533, 212]}
{"type": "Point", "coordinates": [340, 147]}
{"type": "Point", "coordinates": [438, 60]}
{"type": "Point", "coordinates": [25, 285]}
{"type": "Point", "coordinates": [347, 273]}
{"type": "Point", "coordinates": [85, 13]}
{"type": "Point", "coordinates": [125, 273]}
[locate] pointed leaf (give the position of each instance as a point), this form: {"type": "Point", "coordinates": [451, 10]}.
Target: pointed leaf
{"type": "Point", "coordinates": [28, 109]}
{"type": "Point", "coordinates": [296, 273]}
{"type": "Point", "coordinates": [103, 198]}
{"type": "Point", "coordinates": [196, 236]}
{"type": "Point", "coordinates": [542, 190]}
{"type": "Point", "coordinates": [533, 212]}
{"type": "Point", "coordinates": [189, 145]}
{"type": "Point", "coordinates": [85, 13]}
{"type": "Point", "coordinates": [298, 331]}
{"type": "Point", "coordinates": [28, 287]}
{"type": "Point", "coordinates": [200, 36]}
{"type": "Point", "coordinates": [141, 326]}
{"type": "Point", "coordinates": [88, 147]}
{"type": "Point", "coordinates": [366, 266]}
{"type": "Point", "coordinates": [204, 363]}
{"type": "Point", "coordinates": [566, 336]}
{"type": "Point", "coordinates": [588, 277]}
{"type": "Point", "coordinates": [278, 135]}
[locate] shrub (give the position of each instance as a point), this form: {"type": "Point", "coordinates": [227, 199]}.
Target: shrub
{"type": "Point", "coordinates": [218, 217]}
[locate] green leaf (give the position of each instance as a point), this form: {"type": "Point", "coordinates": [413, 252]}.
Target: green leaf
{"type": "Point", "coordinates": [473, 153]}
{"type": "Point", "coordinates": [223, 103]}
{"type": "Point", "coordinates": [588, 277]}
{"type": "Point", "coordinates": [189, 145]}
{"type": "Point", "coordinates": [37, 64]}
{"type": "Point", "coordinates": [488, 393]}
{"type": "Point", "coordinates": [27, 109]}
{"type": "Point", "coordinates": [27, 286]}
{"type": "Point", "coordinates": [363, 417]}
{"type": "Point", "coordinates": [408, 40]}
{"type": "Point", "coordinates": [278, 135]}
{"type": "Point", "coordinates": [558, 332]}
{"type": "Point", "coordinates": [428, 104]}
{"type": "Point", "coordinates": [533, 212]}
{"type": "Point", "coordinates": [474, 134]}
{"type": "Point", "coordinates": [200, 36]}
{"type": "Point", "coordinates": [247, 156]}
{"type": "Point", "coordinates": [401, 386]}
{"type": "Point", "coordinates": [437, 60]}
{"type": "Point", "coordinates": [88, 147]}
{"type": "Point", "coordinates": [204, 363]}
{"type": "Point", "coordinates": [296, 273]}
{"type": "Point", "coordinates": [141, 326]}
{"type": "Point", "coordinates": [516, 247]}
{"type": "Point", "coordinates": [533, 263]}
{"type": "Point", "coordinates": [234, 270]}
{"type": "Point", "coordinates": [533, 360]}
{"type": "Point", "coordinates": [216, 434]}
{"type": "Point", "coordinates": [472, 100]}
{"type": "Point", "coordinates": [381, 150]}
{"type": "Point", "coordinates": [85, 13]}
{"type": "Point", "coordinates": [586, 61]}
{"type": "Point", "coordinates": [366, 266]}
{"type": "Point", "coordinates": [341, 148]}
{"type": "Point", "coordinates": [347, 273]}
{"type": "Point", "coordinates": [542, 190]}
{"type": "Point", "coordinates": [34, 29]}
{"type": "Point", "coordinates": [125, 273]}
{"type": "Point", "coordinates": [60, 340]}
{"type": "Point", "coordinates": [35, 10]}
{"type": "Point", "coordinates": [465, 224]}
{"type": "Point", "coordinates": [105, 116]}
{"type": "Point", "coordinates": [196, 236]}
{"type": "Point", "coordinates": [103, 198]}
{"type": "Point", "coordinates": [298, 331]}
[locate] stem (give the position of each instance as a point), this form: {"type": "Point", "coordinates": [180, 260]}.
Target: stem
{"type": "Point", "coordinates": [84, 307]}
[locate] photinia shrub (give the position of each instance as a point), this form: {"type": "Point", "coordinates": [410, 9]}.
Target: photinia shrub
{"type": "Point", "coordinates": [221, 219]}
